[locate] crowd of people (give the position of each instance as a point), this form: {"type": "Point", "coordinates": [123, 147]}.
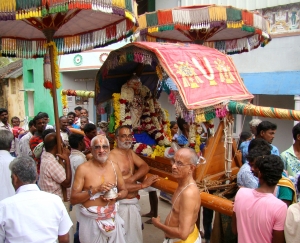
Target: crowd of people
{"type": "Point", "coordinates": [44, 176]}
{"type": "Point", "coordinates": [103, 189]}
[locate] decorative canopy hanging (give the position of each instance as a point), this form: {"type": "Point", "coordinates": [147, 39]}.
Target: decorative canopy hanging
{"type": "Point", "coordinates": [228, 29]}
{"type": "Point", "coordinates": [74, 26]}
{"type": "Point", "coordinates": [206, 79]}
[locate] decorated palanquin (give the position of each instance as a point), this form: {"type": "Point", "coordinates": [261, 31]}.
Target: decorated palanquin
{"type": "Point", "coordinates": [206, 81]}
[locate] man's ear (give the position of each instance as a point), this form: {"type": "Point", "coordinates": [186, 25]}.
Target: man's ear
{"type": "Point", "coordinates": [298, 136]}
{"type": "Point", "coordinates": [14, 180]}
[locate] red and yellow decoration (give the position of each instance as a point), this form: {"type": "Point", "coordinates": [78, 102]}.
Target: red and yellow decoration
{"type": "Point", "coordinates": [207, 24]}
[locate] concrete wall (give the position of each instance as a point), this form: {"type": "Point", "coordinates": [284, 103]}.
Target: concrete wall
{"type": "Point", "coordinates": [36, 97]}
{"type": "Point", "coordinates": [14, 98]}
{"type": "Point", "coordinates": [281, 54]}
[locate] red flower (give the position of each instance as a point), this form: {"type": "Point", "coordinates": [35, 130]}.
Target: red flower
{"type": "Point", "coordinates": [123, 101]}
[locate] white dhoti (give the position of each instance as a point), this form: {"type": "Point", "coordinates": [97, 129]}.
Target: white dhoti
{"type": "Point", "coordinates": [101, 224]}
{"type": "Point", "coordinates": [129, 210]}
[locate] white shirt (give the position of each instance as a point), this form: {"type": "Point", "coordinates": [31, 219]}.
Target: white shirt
{"type": "Point", "coordinates": [8, 128]}
{"type": "Point", "coordinates": [33, 216]}
{"type": "Point", "coordinates": [24, 145]}
{"type": "Point", "coordinates": [7, 188]}
{"type": "Point", "coordinates": [76, 159]}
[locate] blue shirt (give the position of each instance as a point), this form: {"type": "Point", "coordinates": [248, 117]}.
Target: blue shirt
{"type": "Point", "coordinates": [244, 149]}
{"type": "Point", "coordinates": [75, 126]}
{"type": "Point", "coordinates": [246, 178]}
{"type": "Point", "coordinates": [182, 140]}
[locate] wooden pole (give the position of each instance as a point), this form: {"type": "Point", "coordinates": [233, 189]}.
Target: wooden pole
{"type": "Point", "coordinates": [49, 35]}
{"type": "Point", "coordinates": [210, 201]}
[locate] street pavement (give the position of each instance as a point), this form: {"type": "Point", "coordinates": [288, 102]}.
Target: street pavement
{"type": "Point", "coordinates": [150, 233]}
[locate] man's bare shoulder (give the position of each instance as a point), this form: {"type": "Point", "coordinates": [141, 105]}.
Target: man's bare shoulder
{"type": "Point", "coordinates": [85, 166]}
{"type": "Point", "coordinates": [113, 153]}
{"type": "Point", "coordinates": [191, 193]}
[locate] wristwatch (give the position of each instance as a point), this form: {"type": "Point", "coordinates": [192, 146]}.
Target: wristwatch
{"type": "Point", "coordinates": [90, 191]}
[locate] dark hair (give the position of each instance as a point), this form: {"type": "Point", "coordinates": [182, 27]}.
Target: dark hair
{"type": "Point", "coordinates": [25, 169]}
{"type": "Point", "coordinates": [259, 143]}
{"type": "Point", "coordinates": [71, 113]}
{"type": "Point", "coordinates": [180, 123]}
{"type": "Point", "coordinates": [37, 117]}
{"type": "Point", "coordinates": [265, 126]}
{"type": "Point", "coordinates": [258, 151]}
{"type": "Point", "coordinates": [51, 142]}
{"type": "Point", "coordinates": [3, 110]}
{"type": "Point", "coordinates": [43, 114]}
{"type": "Point", "coordinates": [61, 117]}
{"type": "Point", "coordinates": [77, 108]}
{"type": "Point", "coordinates": [296, 131]}
{"type": "Point", "coordinates": [172, 124]}
{"type": "Point", "coordinates": [298, 184]}
{"type": "Point", "coordinates": [75, 139]}
{"type": "Point", "coordinates": [46, 132]}
{"type": "Point", "coordinates": [120, 127]}
{"type": "Point", "coordinates": [14, 118]}
{"type": "Point", "coordinates": [30, 123]}
{"type": "Point", "coordinates": [271, 168]}
{"type": "Point", "coordinates": [89, 127]}
{"type": "Point", "coordinates": [243, 137]}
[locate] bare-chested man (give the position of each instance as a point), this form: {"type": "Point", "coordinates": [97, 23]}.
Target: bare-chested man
{"type": "Point", "coordinates": [180, 223]}
{"type": "Point", "coordinates": [99, 221]}
{"type": "Point", "coordinates": [133, 168]}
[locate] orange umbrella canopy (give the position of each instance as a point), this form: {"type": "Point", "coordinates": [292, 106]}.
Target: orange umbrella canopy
{"type": "Point", "coordinates": [225, 28]}
{"type": "Point", "coordinates": [26, 25]}
{"type": "Point", "coordinates": [204, 76]}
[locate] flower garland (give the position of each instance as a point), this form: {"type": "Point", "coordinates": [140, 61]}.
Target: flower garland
{"type": "Point", "coordinates": [117, 108]}
{"type": "Point", "coordinates": [64, 100]}
{"type": "Point", "coordinates": [167, 125]}
{"type": "Point", "coordinates": [192, 136]}
{"type": "Point", "coordinates": [55, 63]}
{"type": "Point", "coordinates": [198, 143]}
{"type": "Point", "coordinates": [126, 97]}
{"type": "Point", "coordinates": [158, 151]}
{"type": "Point", "coordinates": [141, 148]}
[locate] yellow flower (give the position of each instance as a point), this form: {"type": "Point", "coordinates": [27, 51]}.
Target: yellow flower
{"type": "Point", "coordinates": [116, 105]}
{"type": "Point", "coordinates": [56, 68]}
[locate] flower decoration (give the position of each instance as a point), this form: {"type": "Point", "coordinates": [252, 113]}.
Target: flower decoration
{"type": "Point", "coordinates": [192, 136]}
{"type": "Point", "coordinates": [158, 151]}
{"type": "Point", "coordinates": [55, 61]}
{"type": "Point", "coordinates": [141, 148]}
{"type": "Point", "coordinates": [117, 109]}
{"type": "Point", "coordinates": [64, 100]}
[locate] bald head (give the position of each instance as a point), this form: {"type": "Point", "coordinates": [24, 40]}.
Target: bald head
{"type": "Point", "coordinates": [100, 139]}
{"type": "Point", "coordinates": [50, 141]}
{"type": "Point", "coordinates": [188, 154]}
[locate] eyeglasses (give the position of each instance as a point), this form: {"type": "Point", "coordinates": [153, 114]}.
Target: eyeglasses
{"type": "Point", "coordinates": [178, 163]}
{"type": "Point", "coordinates": [104, 147]}
{"type": "Point", "coordinates": [130, 136]}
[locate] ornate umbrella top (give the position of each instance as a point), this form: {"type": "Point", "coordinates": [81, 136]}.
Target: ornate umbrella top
{"type": "Point", "coordinates": [205, 78]}
{"type": "Point", "coordinates": [76, 25]}
{"type": "Point", "coordinates": [228, 29]}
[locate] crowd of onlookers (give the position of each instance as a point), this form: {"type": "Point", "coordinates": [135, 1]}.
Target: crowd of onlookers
{"type": "Point", "coordinates": [266, 207]}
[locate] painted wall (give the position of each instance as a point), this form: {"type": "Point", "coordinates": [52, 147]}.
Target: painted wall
{"type": "Point", "coordinates": [14, 98]}
{"type": "Point", "coordinates": [36, 97]}
{"type": "Point", "coordinates": [69, 83]}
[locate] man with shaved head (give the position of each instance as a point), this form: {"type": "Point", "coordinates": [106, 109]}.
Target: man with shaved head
{"type": "Point", "coordinates": [53, 176]}
{"type": "Point", "coordinates": [180, 223]}
{"type": "Point", "coordinates": [99, 221]}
